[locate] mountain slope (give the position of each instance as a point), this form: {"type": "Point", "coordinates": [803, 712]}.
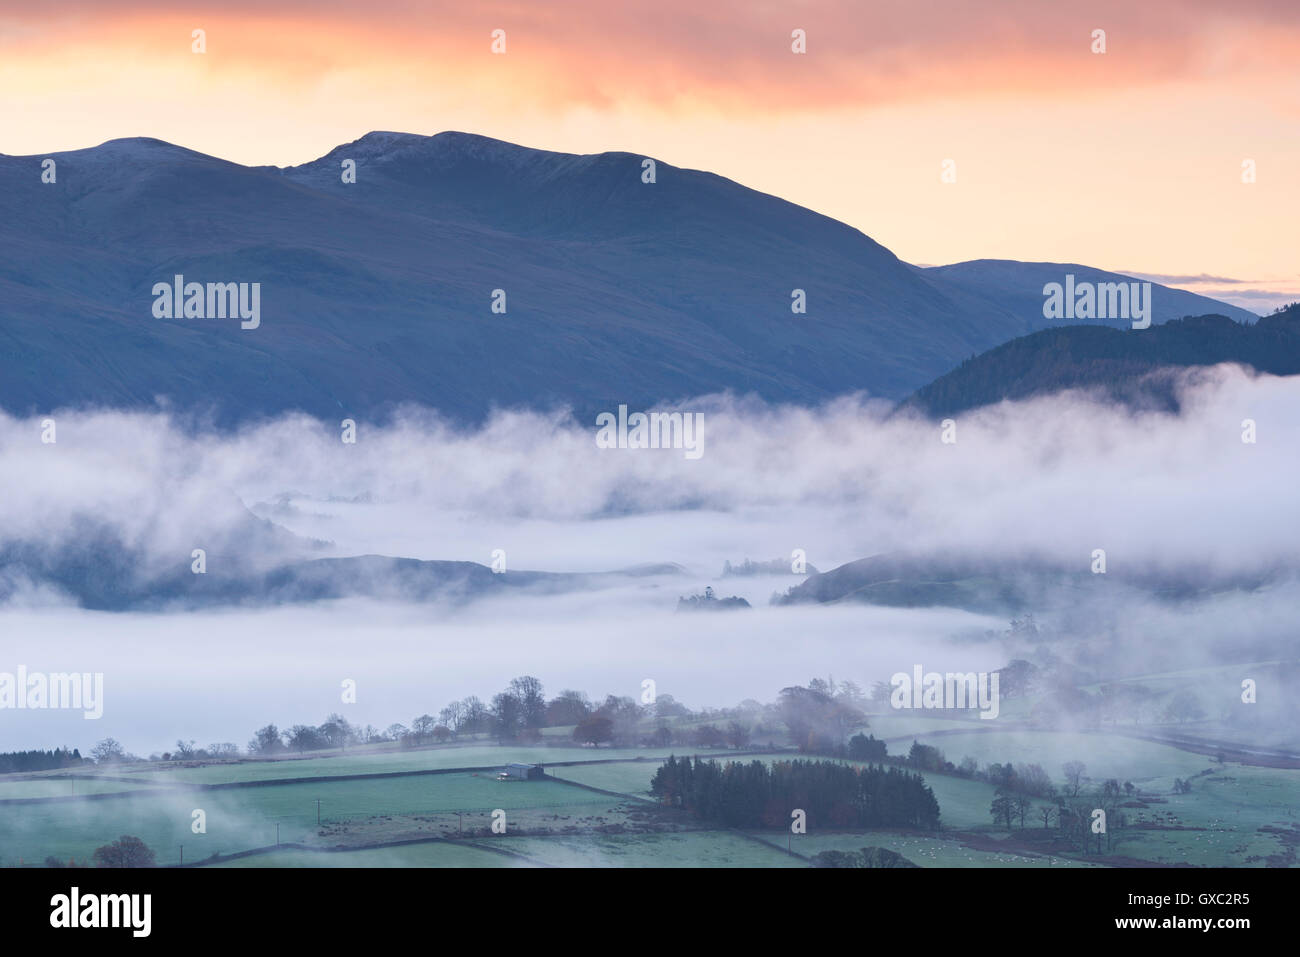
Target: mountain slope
{"type": "Point", "coordinates": [378, 292]}
{"type": "Point", "coordinates": [987, 584]}
{"type": "Point", "coordinates": [1018, 287]}
{"type": "Point", "coordinates": [1138, 367]}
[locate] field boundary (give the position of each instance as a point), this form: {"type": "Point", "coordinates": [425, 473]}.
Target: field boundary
{"type": "Point", "coordinates": [172, 787]}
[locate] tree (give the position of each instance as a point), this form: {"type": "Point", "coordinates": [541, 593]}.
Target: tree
{"type": "Point", "coordinates": [422, 728]}
{"type": "Point", "coordinates": [851, 694]}
{"type": "Point", "coordinates": [1032, 779]}
{"type": "Point", "coordinates": [666, 706]}
{"type": "Point", "coordinates": [1046, 812]}
{"type": "Point", "coordinates": [823, 687]}
{"type": "Point", "coordinates": [866, 748]}
{"type": "Point", "coordinates": [477, 716]}
{"type": "Point", "coordinates": [108, 751]}
{"type": "Point", "coordinates": [625, 716]}
{"type": "Point", "coordinates": [303, 737]}
{"type": "Point", "coordinates": [266, 741]}
{"type": "Point", "coordinates": [737, 734]}
{"type": "Point", "coordinates": [817, 722]}
{"type": "Point", "coordinates": [569, 707]}
{"type": "Point", "coordinates": [1021, 805]}
{"type": "Point", "coordinates": [593, 729]}
{"type": "Point", "coordinates": [532, 702]}
{"type": "Point", "coordinates": [1074, 771]}
{"type": "Point", "coordinates": [507, 717]}
{"type": "Point", "coordinates": [709, 736]}
{"type": "Point", "coordinates": [126, 851]}
{"type": "Point", "coordinates": [336, 731]}
{"type": "Point", "coordinates": [925, 757]}
{"type": "Point", "coordinates": [759, 795]}
{"type": "Point", "coordinates": [881, 692]}
{"type": "Point", "coordinates": [452, 716]}
{"type": "Point", "coordinates": [369, 734]}
{"type": "Point", "coordinates": [1003, 807]}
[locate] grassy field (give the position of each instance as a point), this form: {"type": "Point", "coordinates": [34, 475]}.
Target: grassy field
{"type": "Point", "coordinates": [676, 849]}
{"type": "Point", "coordinates": [243, 818]}
{"type": "Point", "coordinates": [436, 854]}
{"type": "Point", "coordinates": [1106, 756]}
{"type": "Point", "coordinates": [43, 787]}
{"type": "Point", "coordinates": [377, 763]}
{"type": "Point", "coordinates": [924, 851]}
{"type": "Point", "coordinates": [1234, 815]}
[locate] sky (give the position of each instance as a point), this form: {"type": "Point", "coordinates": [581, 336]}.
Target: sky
{"type": "Point", "coordinates": [1129, 159]}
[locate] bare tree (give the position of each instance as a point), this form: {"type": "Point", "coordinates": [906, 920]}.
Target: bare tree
{"type": "Point", "coordinates": [1074, 771]}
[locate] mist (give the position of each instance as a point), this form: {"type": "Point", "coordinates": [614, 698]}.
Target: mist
{"type": "Point", "coordinates": [1055, 477]}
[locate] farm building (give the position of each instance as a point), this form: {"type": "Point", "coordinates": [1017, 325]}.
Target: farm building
{"type": "Point", "coordinates": [521, 772]}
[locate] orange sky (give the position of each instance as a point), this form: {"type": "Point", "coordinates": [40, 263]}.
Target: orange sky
{"type": "Point", "coordinates": [1126, 160]}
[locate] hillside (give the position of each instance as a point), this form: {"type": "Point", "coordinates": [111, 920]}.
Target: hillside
{"type": "Point", "coordinates": [378, 292]}
{"type": "Point", "coordinates": [1136, 367]}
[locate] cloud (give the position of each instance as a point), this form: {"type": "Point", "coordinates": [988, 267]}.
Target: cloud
{"type": "Point", "coordinates": [1057, 476]}
{"type": "Point", "coordinates": [677, 52]}
{"type": "Point", "coordinates": [1185, 280]}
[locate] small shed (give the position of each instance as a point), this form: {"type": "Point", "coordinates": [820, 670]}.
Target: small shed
{"type": "Point", "coordinates": [521, 772]}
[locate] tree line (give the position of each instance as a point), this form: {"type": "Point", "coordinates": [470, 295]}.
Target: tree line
{"type": "Point", "coordinates": [40, 760]}
{"type": "Point", "coordinates": [762, 795]}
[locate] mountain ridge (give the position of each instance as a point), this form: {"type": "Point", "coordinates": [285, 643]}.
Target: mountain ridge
{"type": "Point", "coordinates": [1142, 369]}
{"type": "Point", "coordinates": [378, 293]}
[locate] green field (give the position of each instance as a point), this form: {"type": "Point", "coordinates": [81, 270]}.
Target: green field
{"type": "Point", "coordinates": [434, 854]}
{"type": "Point", "coordinates": [370, 762]}
{"type": "Point", "coordinates": [243, 818]}
{"type": "Point", "coordinates": [676, 849]}
{"type": "Point", "coordinates": [929, 851]}
{"type": "Point", "coordinates": [43, 787]}
{"type": "Point", "coordinates": [1145, 763]}
{"type": "Point", "coordinates": [1234, 815]}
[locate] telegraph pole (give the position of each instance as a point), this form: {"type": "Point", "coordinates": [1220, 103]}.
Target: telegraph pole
{"type": "Point", "coordinates": [182, 847]}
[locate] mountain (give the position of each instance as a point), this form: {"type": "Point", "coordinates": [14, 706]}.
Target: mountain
{"type": "Point", "coordinates": [1139, 367]}
{"type": "Point", "coordinates": [259, 564]}
{"type": "Point", "coordinates": [378, 292]}
{"type": "Point", "coordinates": [1018, 288]}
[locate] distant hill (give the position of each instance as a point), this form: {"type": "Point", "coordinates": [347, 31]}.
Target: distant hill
{"type": "Point", "coordinates": [1018, 288]}
{"type": "Point", "coordinates": [255, 562]}
{"type": "Point", "coordinates": [775, 566]}
{"type": "Point", "coordinates": [989, 585]}
{"type": "Point", "coordinates": [1136, 367]}
{"type": "Point", "coordinates": [378, 292]}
